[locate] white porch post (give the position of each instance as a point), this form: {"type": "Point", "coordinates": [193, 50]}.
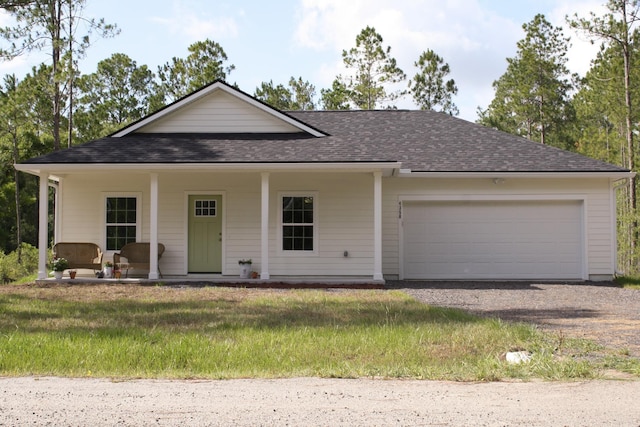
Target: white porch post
{"type": "Point", "coordinates": [153, 228]}
{"type": "Point", "coordinates": [264, 239]}
{"type": "Point", "coordinates": [43, 225]}
{"type": "Point", "coordinates": [56, 212]}
{"type": "Point", "coordinates": [377, 226]}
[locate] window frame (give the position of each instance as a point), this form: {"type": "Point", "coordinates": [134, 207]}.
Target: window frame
{"type": "Point", "coordinates": [105, 224]}
{"type": "Point", "coordinates": [315, 224]}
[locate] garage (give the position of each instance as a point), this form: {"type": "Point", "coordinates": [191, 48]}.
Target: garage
{"type": "Point", "coordinates": [524, 239]}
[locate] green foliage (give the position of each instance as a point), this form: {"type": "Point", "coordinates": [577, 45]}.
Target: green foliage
{"type": "Point", "coordinates": [118, 93]}
{"type": "Point", "coordinates": [374, 70]}
{"type": "Point", "coordinates": [204, 64]}
{"type": "Point", "coordinates": [429, 88]}
{"type": "Point", "coordinates": [299, 95]}
{"type": "Point", "coordinates": [19, 139]}
{"type": "Point", "coordinates": [277, 96]}
{"type": "Point", "coordinates": [61, 264]}
{"type": "Point", "coordinates": [303, 94]}
{"type": "Point", "coordinates": [337, 97]}
{"type": "Point", "coordinates": [54, 25]}
{"type": "Point", "coordinates": [629, 282]}
{"type": "Point", "coordinates": [600, 111]}
{"type": "Point", "coordinates": [18, 264]}
{"type": "Point", "coordinates": [533, 96]}
{"type": "Point", "coordinates": [618, 31]}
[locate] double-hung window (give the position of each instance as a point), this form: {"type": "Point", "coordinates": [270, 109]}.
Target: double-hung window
{"type": "Point", "coordinates": [122, 221]}
{"type": "Point", "coordinates": [298, 226]}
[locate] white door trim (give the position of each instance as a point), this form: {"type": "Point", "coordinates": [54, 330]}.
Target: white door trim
{"type": "Point", "coordinates": [185, 232]}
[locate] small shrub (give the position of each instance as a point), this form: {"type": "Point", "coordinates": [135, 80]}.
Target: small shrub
{"type": "Point", "coordinates": [11, 270]}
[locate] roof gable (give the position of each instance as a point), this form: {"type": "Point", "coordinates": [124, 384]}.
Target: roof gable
{"type": "Point", "coordinates": [218, 108]}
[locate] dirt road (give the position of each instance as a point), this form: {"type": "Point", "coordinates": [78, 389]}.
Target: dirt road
{"type": "Point", "coordinates": [315, 402]}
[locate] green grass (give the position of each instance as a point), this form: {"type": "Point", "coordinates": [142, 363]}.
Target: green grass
{"type": "Point", "coordinates": [165, 332]}
{"type": "Point", "coordinates": [628, 282]}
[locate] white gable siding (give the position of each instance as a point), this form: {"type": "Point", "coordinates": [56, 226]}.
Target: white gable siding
{"type": "Point", "coordinates": [595, 192]}
{"type": "Point", "coordinates": [218, 112]}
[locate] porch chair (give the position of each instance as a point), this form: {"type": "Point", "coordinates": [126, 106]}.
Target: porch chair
{"type": "Point", "coordinates": [136, 256]}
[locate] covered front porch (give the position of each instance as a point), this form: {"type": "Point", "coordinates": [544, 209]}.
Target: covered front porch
{"type": "Point", "coordinates": [347, 226]}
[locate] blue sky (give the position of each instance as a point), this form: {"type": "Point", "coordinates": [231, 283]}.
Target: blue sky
{"type": "Point", "coordinates": [277, 39]}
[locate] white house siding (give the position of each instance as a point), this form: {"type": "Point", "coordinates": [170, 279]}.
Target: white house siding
{"type": "Point", "coordinates": [345, 221]}
{"type": "Point", "coordinates": [219, 113]}
{"type": "Point", "coordinates": [81, 197]}
{"type": "Point", "coordinates": [345, 203]}
{"type": "Point", "coordinates": [595, 192]}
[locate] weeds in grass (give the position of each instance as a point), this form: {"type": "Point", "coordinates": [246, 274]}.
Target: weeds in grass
{"type": "Point", "coordinates": [147, 332]}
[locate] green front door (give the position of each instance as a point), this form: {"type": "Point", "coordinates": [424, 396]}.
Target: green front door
{"type": "Point", "coordinates": [205, 234]}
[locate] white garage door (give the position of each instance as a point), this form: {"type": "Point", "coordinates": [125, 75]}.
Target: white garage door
{"type": "Point", "coordinates": [492, 240]}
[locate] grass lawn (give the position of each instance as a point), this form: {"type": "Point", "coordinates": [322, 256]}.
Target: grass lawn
{"type": "Point", "coordinates": [131, 331]}
{"type": "Point", "coordinates": [629, 282]}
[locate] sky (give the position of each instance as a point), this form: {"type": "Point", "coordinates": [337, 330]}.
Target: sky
{"type": "Point", "coordinates": [279, 39]}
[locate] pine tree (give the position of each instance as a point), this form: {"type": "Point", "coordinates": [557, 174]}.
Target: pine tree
{"type": "Point", "coordinates": [429, 88]}
{"type": "Point", "coordinates": [533, 96]}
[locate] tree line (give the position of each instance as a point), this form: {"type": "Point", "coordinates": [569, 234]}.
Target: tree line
{"type": "Point", "coordinates": [537, 97]}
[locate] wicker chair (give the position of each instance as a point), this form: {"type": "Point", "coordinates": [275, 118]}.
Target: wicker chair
{"type": "Point", "coordinates": [137, 256]}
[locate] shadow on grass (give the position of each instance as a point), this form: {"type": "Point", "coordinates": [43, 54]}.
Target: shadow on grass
{"type": "Point", "coordinates": [57, 315]}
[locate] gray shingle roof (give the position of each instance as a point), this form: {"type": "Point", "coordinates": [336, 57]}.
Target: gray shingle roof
{"type": "Point", "coordinates": [423, 141]}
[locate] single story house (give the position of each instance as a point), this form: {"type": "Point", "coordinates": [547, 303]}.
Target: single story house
{"type": "Point", "coordinates": [218, 177]}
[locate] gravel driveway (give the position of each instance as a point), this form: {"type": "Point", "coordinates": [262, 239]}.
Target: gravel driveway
{"type": "Point", "coordinates": [600, 311]}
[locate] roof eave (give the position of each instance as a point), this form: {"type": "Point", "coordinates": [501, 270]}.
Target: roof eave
{"type": "Point", "coordinates": [408, 173]}
{"type": "Point", "coordinates": [388, 168]}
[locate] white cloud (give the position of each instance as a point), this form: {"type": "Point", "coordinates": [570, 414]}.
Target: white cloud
{"type": "Point", "coordinates": [582, 51]}
{"type": "Point", "coordinates": [17, 65]}
{"type": "Point", "coordinates": [472, 41]}
{"type": "Point", "coordinates": [187, 20]}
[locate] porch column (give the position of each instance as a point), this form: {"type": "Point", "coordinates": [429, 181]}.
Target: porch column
{"type": "Point", "coordinates": [377, 226]}
{"type": "Point", "coordinates": [43, 225]}
{"type": "Point", "coordinates": [56, 210]}
{"type": "Point", "coordinates": [264, 239]}
{"type": "Point", "coordinates": [153, 228]}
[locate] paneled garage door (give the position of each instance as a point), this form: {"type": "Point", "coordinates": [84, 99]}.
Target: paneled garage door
{"type": "Point", "coordinates": [492, 240]}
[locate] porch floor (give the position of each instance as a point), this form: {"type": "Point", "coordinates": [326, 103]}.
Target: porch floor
{"type": "Point", "coordinates": [286, 282]}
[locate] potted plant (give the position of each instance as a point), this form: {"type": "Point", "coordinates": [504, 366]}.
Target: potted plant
{"type": "Point", "coordinates": [59, 265]}
{"type": "Point", "coordinates": [245, 268]}
{"type": "Point", "coordinates": [108, 269]}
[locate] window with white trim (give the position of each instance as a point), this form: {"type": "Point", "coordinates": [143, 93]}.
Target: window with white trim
{"type": "Point", "coordinates": [298, 222]}
{"type": "Point", "coordinates": [122, 221]}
